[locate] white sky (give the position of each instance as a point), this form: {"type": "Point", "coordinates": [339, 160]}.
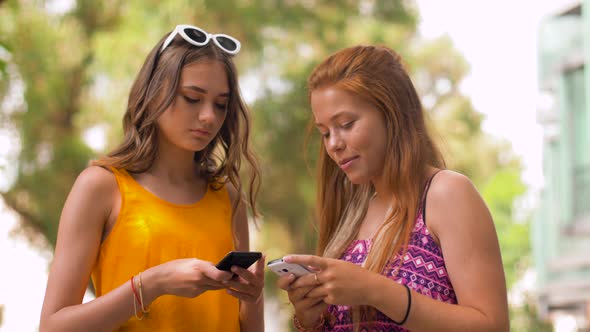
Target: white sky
{"type": "Point", "coordinates": [498, 40]}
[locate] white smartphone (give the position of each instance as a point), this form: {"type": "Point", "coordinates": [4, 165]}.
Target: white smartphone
{"type": "Point", "coordinates": [280, 267]}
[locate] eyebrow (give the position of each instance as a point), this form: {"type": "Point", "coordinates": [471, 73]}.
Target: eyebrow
{"type": "Point", "coordinates": [336, 116]}
{"type": "Point", "coordinates": [201, 90]}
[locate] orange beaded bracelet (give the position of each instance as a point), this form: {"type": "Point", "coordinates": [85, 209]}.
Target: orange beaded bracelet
{"type": "Point", "coordinates": [302, 328]}
{"type": "Point", "coordinates": [136, 299]}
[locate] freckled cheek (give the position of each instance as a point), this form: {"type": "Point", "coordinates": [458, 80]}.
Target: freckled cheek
{"type": "Point", "coordinates": [378, 159]}
{"type": "Point", "coordinates": [363, 140]}
{"type": "Point", "coordinates": [371, 149]}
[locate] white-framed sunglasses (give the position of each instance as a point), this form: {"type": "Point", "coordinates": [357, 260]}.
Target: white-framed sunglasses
{"type": "Point", "coordinates": [200, 37]}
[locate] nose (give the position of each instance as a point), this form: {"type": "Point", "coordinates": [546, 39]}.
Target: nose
{"type": "Point", "coordinates": [207, 113]}
{"type": "Point", "coordinates": [335, 142]}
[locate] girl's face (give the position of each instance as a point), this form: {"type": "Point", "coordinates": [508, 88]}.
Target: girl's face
{"type": "Point", "coordinates": [353, 131]}
{"type": "Point", "coordinates": [199, 108]}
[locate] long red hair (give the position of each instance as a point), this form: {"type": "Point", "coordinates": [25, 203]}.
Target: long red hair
{"type": "Point", "coordinates": [374, 73]}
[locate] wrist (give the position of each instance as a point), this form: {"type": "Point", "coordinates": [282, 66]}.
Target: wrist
{"type": "Point", "coordinates": [380, 297]}
{"type": "Point", "coordinates": [306, 320]}
{"type": "Point", "coordinates": [152, 285]}
{"type": "Point", "coordinates": [308, 325]}
{"type": "Point", "coordinates": [375, 294]}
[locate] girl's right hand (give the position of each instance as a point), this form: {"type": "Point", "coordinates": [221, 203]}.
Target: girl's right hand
{"type": "Point", "coordinates": [307, 310]}
{"type": "Point", "coordinates": [187, 277]}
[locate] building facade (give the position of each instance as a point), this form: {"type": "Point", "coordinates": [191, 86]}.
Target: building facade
{"type": "Point", "coordinates": [561, 229]}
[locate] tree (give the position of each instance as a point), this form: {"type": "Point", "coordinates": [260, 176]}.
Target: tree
{"type": "Point", "coordinates": [73, 73]}
{"type": "Point", "coordinates": [54, 67]}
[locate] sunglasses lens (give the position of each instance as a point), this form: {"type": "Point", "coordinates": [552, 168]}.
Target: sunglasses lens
{"type": "Point", "coordinates": [196, 35]}
{"type": "Point", "coordinates": [227, 43]}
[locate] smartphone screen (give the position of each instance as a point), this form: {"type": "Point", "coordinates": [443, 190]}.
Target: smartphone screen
{"type": "Point", "coordinates": [242, 259]}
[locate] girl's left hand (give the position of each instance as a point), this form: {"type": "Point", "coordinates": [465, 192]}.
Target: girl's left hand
{"type": "Point", "coordinates": [338, 282]}
{"type": "Point", "coordinates": [248, 284]}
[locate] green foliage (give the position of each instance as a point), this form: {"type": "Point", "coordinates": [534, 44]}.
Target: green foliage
{"type": "Point", "coordinates": [500, 192]}
{"type": "Point", "coordinates": [526, 319]}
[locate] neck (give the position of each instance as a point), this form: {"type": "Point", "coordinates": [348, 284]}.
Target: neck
{"type": "Point", "coordinates": [383, 192]}
{"type": "Point", "coordinates": [174, 164]}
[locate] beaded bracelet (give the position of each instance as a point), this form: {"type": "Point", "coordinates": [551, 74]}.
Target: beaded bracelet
{"type": "Point", "coordinates": [143, 309]}
{"type": "Point", "coordinates": [136, 299]}
{"type": "Point", "coordinates": [302, 328]}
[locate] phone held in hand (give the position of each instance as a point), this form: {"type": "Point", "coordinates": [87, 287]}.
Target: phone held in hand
{"type": "Point", "coordinates": [242, 259]}
{"type": "Point", "coordinates": [280, 267]}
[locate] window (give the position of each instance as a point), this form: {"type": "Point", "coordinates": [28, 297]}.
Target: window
{"type": "Point", "coordinates": [579, 118]}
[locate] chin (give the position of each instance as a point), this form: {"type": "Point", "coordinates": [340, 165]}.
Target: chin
{"type": "Point", "coordinates": [196, 146]}
{"type": "Point", "coordinates": [356, 179]}
{"type": "Point", "coordinates": [192, 147]}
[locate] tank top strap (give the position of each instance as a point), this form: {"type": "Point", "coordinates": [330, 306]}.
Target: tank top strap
{"type": "Point", "coordinates": [425, 194]}
{"type": "Point", "coordinates": [124, 180]}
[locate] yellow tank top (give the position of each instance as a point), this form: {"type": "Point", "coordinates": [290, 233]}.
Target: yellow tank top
{"type": "Point", "coordinates": [150, 231]}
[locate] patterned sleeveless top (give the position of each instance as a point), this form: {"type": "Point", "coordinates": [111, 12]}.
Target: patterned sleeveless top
{"type": "Point", "coordinates": [422, 269]}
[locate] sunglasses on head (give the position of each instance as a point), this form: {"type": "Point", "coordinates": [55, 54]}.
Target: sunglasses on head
{"type": "Point", "coordinates": [200, 37]}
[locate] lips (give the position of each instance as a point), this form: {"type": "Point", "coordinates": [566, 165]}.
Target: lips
{"type": "Point", "coordinates": [347, 163]}
{"type": "Point", "coordinates": [200, 132]}
{"type": "Point", "coordinates": [346, 160]}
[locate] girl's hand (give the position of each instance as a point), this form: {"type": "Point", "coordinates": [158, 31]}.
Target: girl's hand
{"type": "Point", "coordinates": [336, 282]}
{"type": "Point", "coordinates": [308, 310]}
{"type": "Point", "coordinates": [248, 284]}
{"type": "Point", "coordinates": [188, 277]}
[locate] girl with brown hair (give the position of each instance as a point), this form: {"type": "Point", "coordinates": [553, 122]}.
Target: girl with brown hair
{"type": "Point", "coordinates": [148, 221]}
{"type": "Point", "coordinates": [381, 264]}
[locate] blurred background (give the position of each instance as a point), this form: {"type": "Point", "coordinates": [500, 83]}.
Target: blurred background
{"type": "Point", "coordinates": [503, 82]}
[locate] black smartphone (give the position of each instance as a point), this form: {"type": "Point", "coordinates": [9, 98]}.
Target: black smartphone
{"type": "Point", "coordinates": [242, 259]}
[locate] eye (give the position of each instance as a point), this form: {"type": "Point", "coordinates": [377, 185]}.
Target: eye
{"type": "Point", "coordinates": [348, 124]}
{"type": "Point", "coordinates": [222, 107]}
{"type": "Point", "coordinates": [325, 135]}
{"type": "Point", "coordinates": [190, 100]}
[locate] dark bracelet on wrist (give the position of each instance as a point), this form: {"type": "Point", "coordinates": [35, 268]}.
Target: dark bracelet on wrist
{"type": "Point", "coordinates": [403, 321]}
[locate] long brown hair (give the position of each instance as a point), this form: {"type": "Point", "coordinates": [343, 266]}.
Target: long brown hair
{"type": "Point", "coordinates": [374, 73]}
{"type": "Point", "coordinates": [154, 89]}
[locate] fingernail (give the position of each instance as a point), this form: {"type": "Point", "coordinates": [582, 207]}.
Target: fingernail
{"type": "Point", "coordinates": [291, 277]}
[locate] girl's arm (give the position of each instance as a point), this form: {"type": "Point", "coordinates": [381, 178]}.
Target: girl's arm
{"type": "Point", "coordinates": [460, 220]}
{"type": "Point", "coordinates": [89, 204]}
{"type": "Point", "coordinates": [83, 218]}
